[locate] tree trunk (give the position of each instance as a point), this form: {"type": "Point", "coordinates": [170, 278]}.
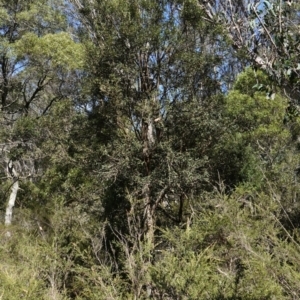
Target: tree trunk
{"type": "Point", "coordinates": [149, 222]}
{"type": "Point", "coordinates": [14, 191]}
{"type": "Point", "coordinates": [11, 202]}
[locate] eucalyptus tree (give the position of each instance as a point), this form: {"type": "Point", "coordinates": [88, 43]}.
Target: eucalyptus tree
{"type": "Point", "coordinates": [37, 56]}
{"type": "Point", "coordinates": [266, 33]}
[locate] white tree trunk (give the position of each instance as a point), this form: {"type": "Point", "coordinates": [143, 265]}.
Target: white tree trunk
{"type": "Point", "coordinates": [13, 195]}
{"type": "Point", "coordinates": [11, 202]}
{"type": "Point", "coordinates": [151, 133]}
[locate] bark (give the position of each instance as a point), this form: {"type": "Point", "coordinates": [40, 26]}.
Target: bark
{"type": "Point", "coordinates": [11, 202]}
{"type": "Point", "coordinates": [149, 221]}
{"type": "Point", "coordinates": [13, 195]}
{"type": "Point", "coordinates": [150, 133]}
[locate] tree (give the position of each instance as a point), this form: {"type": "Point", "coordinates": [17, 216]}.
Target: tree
{"type": "Point", "coordinates": [153, 101]}
{"type": "Point", "coordinates": [266, 33]}
{"type": "Point", "coordinates": [148, 72]}
{"type": "Point", "coordinates": [37, 56]}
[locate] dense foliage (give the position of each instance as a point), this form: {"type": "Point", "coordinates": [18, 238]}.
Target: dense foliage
{"type": "Point", "coordinates": [150, 149]}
